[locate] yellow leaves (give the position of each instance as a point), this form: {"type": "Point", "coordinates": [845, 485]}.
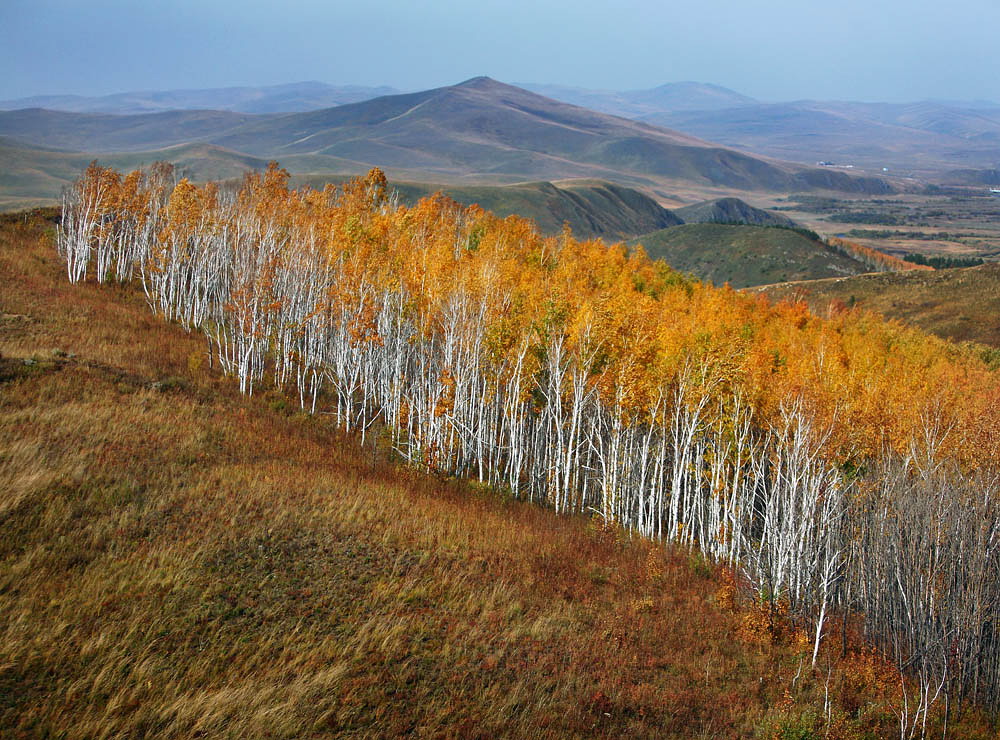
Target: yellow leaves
{"type": "Point", "coordinates": [631, 325]}
{"type": "Point", "coordinates": [184, 208]}
{"type": "Point", "coordinates": [767, 622]}
{"type": "Point", "coordinates": [727, 596]}
{"type": "Point", "coordinates": [100, 186]}
{"type": "Point", "coordinates": [446, 402]}
{"type": "Point", "coordinates": [275, 179]}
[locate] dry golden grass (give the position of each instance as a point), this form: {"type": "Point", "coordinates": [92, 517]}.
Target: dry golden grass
{"type": "Point", "coordinates": [179, 561]}
{"type": "Point", "coordinates": [961, 304]}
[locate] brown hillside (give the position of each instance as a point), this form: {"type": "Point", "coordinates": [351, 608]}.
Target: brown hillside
{"type": "Point", "coordinates": [180, 561]}
{"type": "Point", "coordinates": [962, 304]}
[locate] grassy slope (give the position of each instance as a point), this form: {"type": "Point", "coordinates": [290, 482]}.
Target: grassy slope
{"type": "Point", "coordinates": [731, 211]}
{"type": "Point", "coordinates": [959, 304]}
{"type": "Point", "coordinates": [591, 207]}
{"type": "Point", "coordinates": [31, 177]}
{"type": "Point", "coordinates": [100, 132]}
{"type": "Point", "coordinates": [177, 561]}
{"type": "Point", "coordinates": [746, 255]}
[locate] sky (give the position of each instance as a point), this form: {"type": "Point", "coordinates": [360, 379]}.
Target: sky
{"type": "Point", "coordinates": [887, 50]}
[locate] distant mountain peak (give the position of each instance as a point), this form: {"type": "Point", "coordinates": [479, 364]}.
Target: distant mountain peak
{"type": "Point", "coordinates": [685, 84]}
{"type": "Point", "coordinates": [480, 82]}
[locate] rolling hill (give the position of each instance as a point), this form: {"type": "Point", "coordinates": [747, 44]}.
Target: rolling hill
{"type": "Point", "coordinates": [731, 211]}
{"type": "Point", "coordinates": [971, 177]}
{"type": "Point", "coordinates": [32, 176]}
{"type": "Point", "coordinates": [483, 127]}
{"type": "Point", "coordinates": [961, 304]}
{"type": "Point", "coordinates": [105, 133]}
{"type": "Point", "coordinates": [921, 138]}
{"type": "Point", "coordinates": [306, 96]}
{"type": "Point", "coordinates": [746, 255]}
{"type": "Point", "coordinates": [592, 208]}
{"type": "Point", "coordinates": [909, 138]}
{"type": "Point", "coordinates": [480, 130]}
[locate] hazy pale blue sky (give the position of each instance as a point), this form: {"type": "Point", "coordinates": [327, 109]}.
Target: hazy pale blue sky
{"type": "Point", "coordinates": [771, 49]}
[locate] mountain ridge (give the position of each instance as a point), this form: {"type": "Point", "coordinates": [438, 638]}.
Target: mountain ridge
{"type": "Point", "coordinates": [479, 129]}
{"type": "Point", "coordinates": [913, 137]}
{"type": "Point", "coordinates": [287, 97]}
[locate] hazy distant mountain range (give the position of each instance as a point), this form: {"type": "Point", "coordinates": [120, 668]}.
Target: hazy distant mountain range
{"type": "Point", "coordinates": [915, 137]}
{"type": "Point", "coordinates": [912, 138]}
{"type": "Point", "coordinates": [671, 97]}
{"type": "Point", "coordinates": [298, 97]}
{"type": "Point", "coordinates": [908, 139]}
{"type": "Point", "coordinates": [290, 98]}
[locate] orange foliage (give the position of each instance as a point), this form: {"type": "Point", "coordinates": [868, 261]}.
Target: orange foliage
{"type": "Point", "coordinates": [873, 382]}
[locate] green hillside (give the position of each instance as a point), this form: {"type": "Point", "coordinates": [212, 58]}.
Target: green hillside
{"type": "Point", "coordinates": [746, 255]}
{"type": "Point", "coordinates": [590, 207]}
{"type": "Point", "coordinates": [731, 211]}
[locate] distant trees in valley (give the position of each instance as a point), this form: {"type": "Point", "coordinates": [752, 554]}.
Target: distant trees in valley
{"type": "Point", "coordinates": [873, 258]}
{"type": "Point", "coordinates": [841, 465]}
{"type": "Point", "coordinates": [943, 263]}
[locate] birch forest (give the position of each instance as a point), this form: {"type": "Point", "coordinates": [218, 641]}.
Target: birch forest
{"type": "Point", "coordinates": [840, 465]}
